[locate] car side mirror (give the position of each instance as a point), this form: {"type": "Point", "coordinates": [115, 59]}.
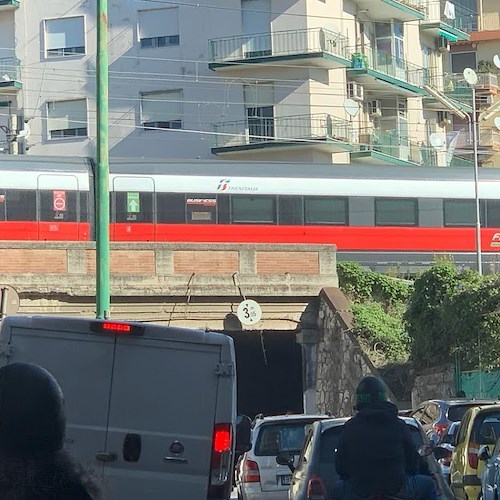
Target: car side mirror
{"type": "Point", "coordinates": [483, 453]}
{"type": "Point", "coordinates": [243, 434]}
{"type": "Point", "coordinates": [286, 458]}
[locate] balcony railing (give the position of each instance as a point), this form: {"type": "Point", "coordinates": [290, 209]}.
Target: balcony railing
{"type": "Point", "coordinates": [395, 67]}
{"type": "Point", "coordinates": [453, 14]}
{"type": "Point", "coordinates": [10, 70]}
{"type": "Point", "coordinates": [457, 88]}
{"type": "Point", "coordinates": [299, 128]}
{"type": "Point", "coordinates": [278, 43]}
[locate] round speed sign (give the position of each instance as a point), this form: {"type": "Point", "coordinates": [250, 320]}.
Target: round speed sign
{"type": "Point", "coordinates": [249, 312]}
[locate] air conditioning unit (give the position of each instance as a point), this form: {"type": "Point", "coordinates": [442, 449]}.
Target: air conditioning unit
{"type": "Point", "coordinates": [443, 45]}
{"type": "Point", "coordinates": [374, 109]}
{"type": "Point", "coordinates": [443, 118]}
{"type": "Point", "coordinates": [355, 91]}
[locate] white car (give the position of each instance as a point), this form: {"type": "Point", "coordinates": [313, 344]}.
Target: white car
{"type": "Point", "coordinates": [258, 475]}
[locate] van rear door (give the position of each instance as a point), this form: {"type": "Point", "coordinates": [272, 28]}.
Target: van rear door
{"type": "Point", "coordinates": [161, 421]}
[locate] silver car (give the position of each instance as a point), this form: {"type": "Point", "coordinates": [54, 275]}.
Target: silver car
{"type": "Point", "coordinates": [490, 479]}
{"type": "Point", "coordinates": [315, 474]}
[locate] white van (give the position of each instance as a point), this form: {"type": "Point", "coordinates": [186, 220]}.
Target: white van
{"type": "Point", "coordinates": [151, 410]}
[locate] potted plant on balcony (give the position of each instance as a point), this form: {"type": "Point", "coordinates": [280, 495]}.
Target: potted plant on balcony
{"type": "Point", "coordinates": [485, 67]}
{"type": "Point", "coordinates": [359, 60]}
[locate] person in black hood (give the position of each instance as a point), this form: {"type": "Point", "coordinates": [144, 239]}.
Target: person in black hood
{"type": "Point", "coordinates": [376, 454]}
{"type": "Point", "coordinates": [33, 465]}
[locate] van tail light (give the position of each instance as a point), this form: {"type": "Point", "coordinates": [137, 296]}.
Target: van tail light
{"type": "Point", "coordinates": [316, 489]}
{"type": "Point", "coordinates": [221, 462]}
{"type": "Point", "coordinates": [440, 429]}
{"type": "Point", "coordinates": [251, 472]}
{"type": "Point", "coordinates": [472, 455]}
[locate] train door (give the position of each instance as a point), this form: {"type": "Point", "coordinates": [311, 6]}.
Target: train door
{"type": "Point", "coordinates": [132, 209]}
{"type": "Point", "coordinates": [58, 207]}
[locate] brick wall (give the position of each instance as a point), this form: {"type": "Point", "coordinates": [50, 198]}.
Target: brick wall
{"type": "Point", "coordinates": [288, 262]}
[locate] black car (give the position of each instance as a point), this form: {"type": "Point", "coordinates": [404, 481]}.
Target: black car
{"type": "Point", "coordinates": [436, 415]}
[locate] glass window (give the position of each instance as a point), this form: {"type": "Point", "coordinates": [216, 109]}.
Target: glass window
{"type": "Point", "coordinates": [223, 209]}
{"type": "Point", "coordinates": [253, 209]}
{"type": "Point", "coordinates": [161, 110]}
{"type": "Point", "coordinates": [486, 429]}
{"type": "Point", "coordinates": [67, 119]}
{"type": "Point", "coordinates": [382, 30]}
{"type": "Point", "coordinates": [290, 210]}
{"type": "Point", "coordinates": [133, 207]}
{"type": "Point", "coordinates": [305, 456]}
{"type": "Point", "coordinates": [65, 37]}
{"type": "Point", "coordinates": [492, 218]}
{"type": "Point", "coordinates": [462, 431]}
{"type": "Point", "coordinates": [462, 60]}
{"type": "Point", "coordinates": [3, 204]}
{"type": "Point", "coordinates": [456, 412]}
{"type": "Point", "coordinates": [274, 438]}
{"type": "Point", "coordinates": [323, 210]}
{"type": "Point", "coordinates": [201, 208]}
{"type": "Point", "coordinates": [84, 207]}
{"type": "Point", "coordinates": [396, 212]}
{"type": "Point", "coordinates": [58, 206]}
{"type": "Point", "coordinates": [459, 212]}
{"type": "Point", "coordinates": [20, 205]}
{"type": "Point", "coordinates": [171, 208]}
{"type": "Point", "coordinates": [159, 27]}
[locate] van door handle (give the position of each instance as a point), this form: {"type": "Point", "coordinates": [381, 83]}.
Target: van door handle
{"type": "Point", "coordinates": [105, 456]}
{"type": "Point", "coordinates": [176, 460]}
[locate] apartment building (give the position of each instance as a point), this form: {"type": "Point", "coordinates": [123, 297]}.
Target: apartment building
{"type": "Point", "coordinates": [291, 80]}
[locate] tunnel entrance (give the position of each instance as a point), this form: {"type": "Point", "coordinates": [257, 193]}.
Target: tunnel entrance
{"type": "Point", "coordinates": [269, 372]}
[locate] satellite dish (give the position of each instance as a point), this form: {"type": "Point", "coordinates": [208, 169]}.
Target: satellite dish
{"type": "Point", "coordinates": [496, 121]}
{"type": "Point", "coordinates": [436, 140]}
{"type": "Point", "coordinates": [496, 61]}
{"type": "Point", "coordinates": [351, 107]}
{"type": "Point", "coordinates": [470, 76]}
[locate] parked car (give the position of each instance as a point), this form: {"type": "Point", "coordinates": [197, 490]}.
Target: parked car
{"type": "Point", "coordinates": [258, 475]}
{"type": "Point", "coordinates": [315, 474]}
{"type": "Point", "coordinates": [490, 478]}
{"type": "Point", "coordinates": [480, 426]}
{"type": "Point", "coordinates": [446, 442]}
{"type": "Point", "coordinates": [436, 415]}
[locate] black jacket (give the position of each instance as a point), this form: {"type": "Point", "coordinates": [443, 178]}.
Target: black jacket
{"type": "Point", "coordinates": [376, 451]}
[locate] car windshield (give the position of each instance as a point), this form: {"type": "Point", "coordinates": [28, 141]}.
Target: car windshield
{"type": "Point", "coordinates": [456, 412]}
{"type": "Point", "coordinates": [274, 438]}
{"type": "Point", "coordinates": [330, 439]}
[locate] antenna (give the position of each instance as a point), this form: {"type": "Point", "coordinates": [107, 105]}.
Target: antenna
{"type": "Point", "coordinates": [351, 107]}
{"type": "Point", "coordinates": [470, 76]}
{"type": "Point", "coordinates": [436, 140]}
{"type": "Point", "coordinates": [496, 61]}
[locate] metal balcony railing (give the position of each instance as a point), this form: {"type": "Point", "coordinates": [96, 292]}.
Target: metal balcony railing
{"type": "Point", "coordinates": [489, 80]}
{"type": "Point", "coordinates": [457, 88]}
{"type": "Point", "coordinates": [305, 128]}
{"type": "Point", "coordinates": [10, 69]}
{"type": "Point", "coordinates": [278, 43]}
{"type": "Point", "coordinates": [452, 14]}
{"type": "Point", "coordinates": [395, 67]}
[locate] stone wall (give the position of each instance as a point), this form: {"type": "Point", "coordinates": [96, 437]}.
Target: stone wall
{"type": "Point", "coordinates": [434, 383]}
{"type": "Point", "coordinates": [341, 363]}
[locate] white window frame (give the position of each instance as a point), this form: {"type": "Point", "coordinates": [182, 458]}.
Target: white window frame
{"type": "Point", "coordinates": [49, 55]}
{"type": "Point", "coordinates": [161, 40]}
{"type": "Point", "coordinates": [79, 134]}
{"type": "Point", "coordinates": [160, 125]}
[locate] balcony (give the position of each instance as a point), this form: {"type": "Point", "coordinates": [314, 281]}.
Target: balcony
{"type": "Point", "coordinates": [317, 47]}
{"type": "Point", "coordinates": [8, 5]}
{"type": "Point", "coordinates": [380, 71]}
{"type": "Point", "coordinates": [489, 21]}
{"type": "Point", "coordinates": [454, 23]}
{"type": "Point", "coordinates": [402, 10]}
{"type": "Point", "coordinates": [10, 75]}
{"type": "Point", "coordinates": [319, 131]}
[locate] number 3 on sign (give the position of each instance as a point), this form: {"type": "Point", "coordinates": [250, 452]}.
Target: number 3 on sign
{"type": "Point", "coordinates": [249, 312]}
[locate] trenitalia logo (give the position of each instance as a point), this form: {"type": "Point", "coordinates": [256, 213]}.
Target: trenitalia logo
{"type": "Point", "coordinates": [495, 240]}
{"type": "Point", "coordinates": [225, 185]}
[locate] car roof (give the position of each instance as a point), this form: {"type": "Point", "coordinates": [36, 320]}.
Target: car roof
{"type": "Point", "coordinates": [336, 422]}
{"type": "Point", "coordinates": [288, 417]}
{"type": "Point", "coordinates": [461, 401]}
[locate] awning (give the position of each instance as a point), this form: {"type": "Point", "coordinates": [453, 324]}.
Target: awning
{"type": "Point", "coordinates": [448, 36]}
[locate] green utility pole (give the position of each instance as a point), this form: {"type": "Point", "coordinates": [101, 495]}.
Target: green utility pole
{"type": "Point", "coordinates": [102, 172]}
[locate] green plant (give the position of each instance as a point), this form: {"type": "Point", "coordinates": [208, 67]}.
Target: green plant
{"type": "Point", "coordinates": [485, 67]}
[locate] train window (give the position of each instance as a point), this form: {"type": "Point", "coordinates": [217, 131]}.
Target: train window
{"type": "Point", "coordinates": [492, 218]}
{"type": "Point", "coordinates": [325, 210]}
{"type": "Point", "coordinates": [2, 205]}
{"type": "Point", "coordinates": [223, 211]}
{"type": "Point", "coordinates": [253, 209]}
{"type": "Point", "coordinates": [171, 208]}
{"type": "Point", "coordinates": [396, 212]}
{"type": "Point", "coordinates": [201, 208]}
{"type": "Point", "coordinates": [290, 210]}
{"type": "Point", "coordinates": [133, 207]}
{"type": "Point", "coordinates": [58, 206]}
{"type": "Point", "coordinates": [459, 212]}
{"type": "Point", "coordinates": [84, 207]}
{"type": "Point", "coordinates": [20, 205]}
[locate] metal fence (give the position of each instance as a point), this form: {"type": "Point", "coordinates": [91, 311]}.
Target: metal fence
{"type": "Point", "coordinates": [10, 69]}
{"type": "Point", "coordinates": [453, 14]}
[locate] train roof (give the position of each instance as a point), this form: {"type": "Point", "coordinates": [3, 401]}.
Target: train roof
{"type": "Point", "coordinates": [44, 163]}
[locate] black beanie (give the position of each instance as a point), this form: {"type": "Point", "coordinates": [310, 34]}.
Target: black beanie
{"type": "Point", "coordinates": [31, 410]}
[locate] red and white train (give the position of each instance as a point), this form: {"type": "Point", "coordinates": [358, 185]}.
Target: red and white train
{"type": "Point", "coordinates": [373, 214]}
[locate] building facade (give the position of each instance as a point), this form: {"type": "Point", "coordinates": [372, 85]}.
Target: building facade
{"type": "Point", "coordinates": [275, 80]}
